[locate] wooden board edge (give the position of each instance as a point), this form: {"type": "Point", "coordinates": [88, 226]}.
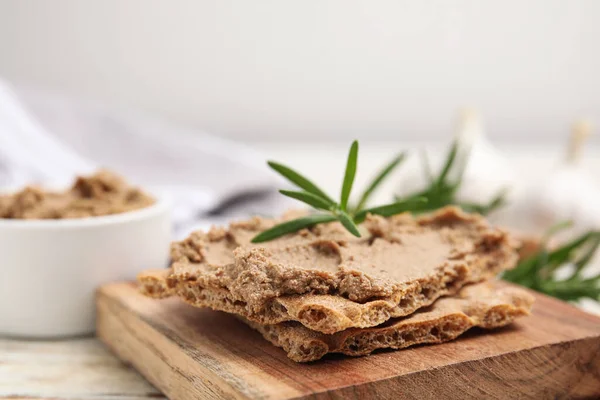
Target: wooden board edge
{"type": "Point", "coordinates": [134, 336]}
{"type": "Point", "coordinates": [569, 369]}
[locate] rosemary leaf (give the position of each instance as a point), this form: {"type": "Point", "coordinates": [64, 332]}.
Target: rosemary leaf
{"type": "Point", "coordinates": [292, 226]}
{"type": "Point", "coordinates": [392, 209]}
{"type": "Point", "coordinates": [349, 175]}
{"type": "Point", "coordinates": [586, 258]}
{"type": "Point", "coordinates": [378, 179]}
{"type": "Point", "coordinates": [448, 164]}
{"type": "Point", "coordinates": [565, 253]}
{"type": "Point", "coordinates": [572, 291]}
{"type": "Point", "coordinates": [498, 201]}
{"type": "Point", "coordinates": [527, 267]}
{"type": "Point", "coordinates": [309, 198]}
{"type": "Point", "coordinates": [346, 220]}
{"type": "Point", "coordinates": [554, 229]}
{"type": "Point", "coordinates": [299, 180]}
{"type": "Point", "coordinates": [426, 165]}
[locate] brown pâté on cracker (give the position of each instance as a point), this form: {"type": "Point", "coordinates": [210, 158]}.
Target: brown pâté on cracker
{"type": "Point", "coordinates": [328, 280]}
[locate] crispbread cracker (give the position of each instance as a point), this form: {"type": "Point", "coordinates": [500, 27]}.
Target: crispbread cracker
{"type": "Point", "coordinates": [484, 305]}
{"type": "Point", "coordinates": [327, 279]}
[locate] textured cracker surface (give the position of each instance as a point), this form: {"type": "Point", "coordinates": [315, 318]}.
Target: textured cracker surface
{"type": "Point", "coordinates": [483, 305]}
{"type": "Point", "coordinates": [327, 279]}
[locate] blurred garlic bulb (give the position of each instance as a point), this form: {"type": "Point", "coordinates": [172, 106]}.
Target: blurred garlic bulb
{"type": "Point", "coordinates": [570, 192]}
{"type": "Point", "coordinates": [487, 171]}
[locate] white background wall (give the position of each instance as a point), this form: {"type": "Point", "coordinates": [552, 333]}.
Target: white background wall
{"type": "Point", "coordinates": [323, 69]}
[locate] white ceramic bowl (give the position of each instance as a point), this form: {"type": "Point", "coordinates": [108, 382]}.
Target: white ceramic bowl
{"type": "Point", "coordinates": [50, 268]}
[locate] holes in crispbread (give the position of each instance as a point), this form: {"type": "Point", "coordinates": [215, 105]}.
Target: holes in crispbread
{"type": "Point", "coordinates": [313, 315]}
{"type": "Point", "coordinates": [427, 292]}
{"type": "Point", "coordinates": [406, 301]}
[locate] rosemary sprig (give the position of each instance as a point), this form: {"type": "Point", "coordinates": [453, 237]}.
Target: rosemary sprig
{"type": "Point", "coordinates": [293, 226]}
{"type": "Point", "coordinates": [331, 211]}
{"type": "Point", "coordinates": [349, 176]}
{"type": "Point", "coordinates": [538, 270]}
{"type": "Point", "coordinates": [384, 173]}
{"type": "Point", "coordinates": [442, 189]}
{"type": "Point", "coordinates": [390, 209]}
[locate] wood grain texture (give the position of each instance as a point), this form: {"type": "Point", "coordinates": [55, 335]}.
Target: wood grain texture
{"type": "Point", "coordinates": [191, 353]}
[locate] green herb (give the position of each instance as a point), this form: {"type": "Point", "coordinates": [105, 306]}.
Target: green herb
{"type": "Point", "coordinates": [538, 270]}
{"type": "Point", "coordinates": [299, 181]}
{"type": "Point", "coordinates": [292, 226]}
{"type": "Point", "coordinates": [391, 209]}
{"type": "Point", "coordinates": [497, 201]}
{"type": "Point", "coordinates": [442, 189]}
{"type": "Point", "coordinates": [349, 175]}
{"type": "Point", "coordinates": [331, 211]}
{"type": "Point", "coordinates": [378, 179]}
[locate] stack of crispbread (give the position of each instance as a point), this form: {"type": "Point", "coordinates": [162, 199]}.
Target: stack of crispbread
{"type": "Point", "coordinates": [407, 280]}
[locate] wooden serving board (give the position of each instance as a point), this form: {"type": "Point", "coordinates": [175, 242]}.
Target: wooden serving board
{"type": "Point", "coordinates": [191, 353]}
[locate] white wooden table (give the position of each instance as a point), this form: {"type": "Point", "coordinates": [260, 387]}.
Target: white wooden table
{"type": "Point", "coordinates": [84, 369]}
{"type": "Point", "coordinates": [67, 369]}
